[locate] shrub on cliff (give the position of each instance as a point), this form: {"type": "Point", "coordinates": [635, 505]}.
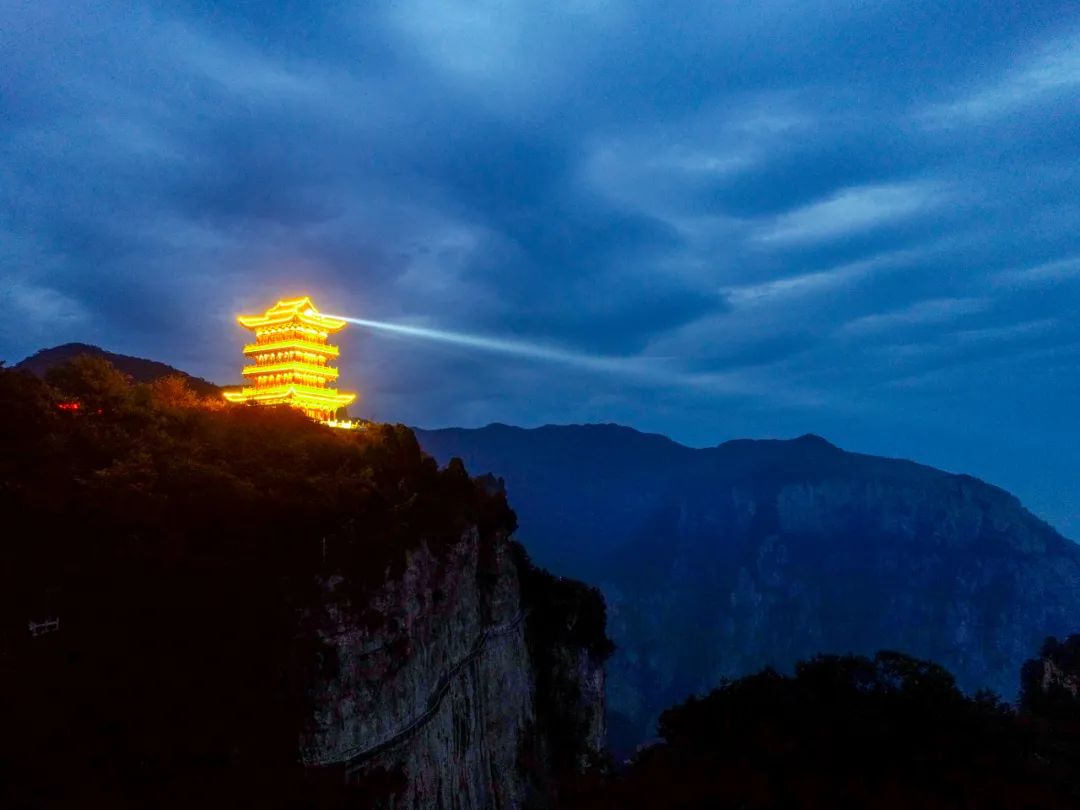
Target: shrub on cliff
{"type": "Point", "coordinates": [1050, 683]}
{"type": "Point", "coordinates": [566, 634]}
{"type": "Point", "coordinates": [1050, 703]}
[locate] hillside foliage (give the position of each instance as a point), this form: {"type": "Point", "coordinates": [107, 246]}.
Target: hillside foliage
{"type": "Point", "coordinates": [137, 369]}
{"type": "Point", "coordinates": [176, 541]}
{"type": "Point", "coordinates": [888, 731]}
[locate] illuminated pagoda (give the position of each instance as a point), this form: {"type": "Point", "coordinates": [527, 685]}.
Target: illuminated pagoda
{"type": "Point", "coordinates": [291, 360]}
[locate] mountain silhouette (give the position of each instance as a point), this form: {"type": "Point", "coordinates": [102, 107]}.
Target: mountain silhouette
{"type": "Point", "coordinates": [139, 369]}
{"type": "Point", "coordinates": [716, 562]}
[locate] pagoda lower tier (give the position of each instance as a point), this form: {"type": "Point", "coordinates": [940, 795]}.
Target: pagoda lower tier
{"type": "Point", "coordinates": [318, 403]}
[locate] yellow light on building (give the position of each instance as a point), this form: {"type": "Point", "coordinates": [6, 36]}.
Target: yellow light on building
{"type": "Point", "coordinates": [291, 360]}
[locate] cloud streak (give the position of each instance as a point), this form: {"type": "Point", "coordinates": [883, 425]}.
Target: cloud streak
{"type": "Point", "coordinates": [853, 210]}
{"type": "Point", "coordinates": [1054, 69]}
{"type": "Point", "coordinates": [933, 311]}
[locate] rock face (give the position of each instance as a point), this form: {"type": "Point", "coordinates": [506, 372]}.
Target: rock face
{"type": "Point", "coordinates": [1050, 683]}
{"type": "Point", "coordinates": [435, 683]}
{"type": "Point", "coordinates": [720, 561]}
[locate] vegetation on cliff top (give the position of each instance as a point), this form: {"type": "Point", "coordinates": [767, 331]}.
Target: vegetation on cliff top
{"type": "Point", "coordinates": [1050, 685]}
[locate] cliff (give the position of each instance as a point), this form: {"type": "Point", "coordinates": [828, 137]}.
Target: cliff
{"type": "Point", "coordinates": [207, 605]}
{"type": "Point", "coordinates": [719, 561]}
{"type": "Point", "coordinates": [451, 688]}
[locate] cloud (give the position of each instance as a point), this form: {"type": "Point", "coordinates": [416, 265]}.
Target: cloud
{"type": "Point", "coordinates": [1008, 332]}
{"type": "Point", "coordinates": [1051, 72]}
{"type": "Point", "coordinates": [932, 311]}
{"type": "Point", "coordinates": [853, 210]}
{"type": "Point", "coordinates": [41, 305]}
{"type": "Point", "coordinates": [816, 281]}
{"type": "Point", "coordinates": [1040, 274]}
{"type": "Point", "coordinates": [1001, 368]}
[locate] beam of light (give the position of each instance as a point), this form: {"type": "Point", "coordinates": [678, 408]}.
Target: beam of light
{"type": "Point", "coordinates": [532, 351]}
{"type": "Point", "coordinates": [649, 370]}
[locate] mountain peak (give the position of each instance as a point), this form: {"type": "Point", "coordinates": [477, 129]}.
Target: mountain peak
{"type": "Point", "coordinates": [139, 369]}
{"type": "Point", "coordinates": [808, 441]}
{"type": "Point", "coordinates": [812, 439]}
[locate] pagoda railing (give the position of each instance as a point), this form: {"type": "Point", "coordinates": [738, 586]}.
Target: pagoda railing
{"type": "Point", "coordinates": [292, 366]}
{"type": "Point", "coordinates": [300, 345]}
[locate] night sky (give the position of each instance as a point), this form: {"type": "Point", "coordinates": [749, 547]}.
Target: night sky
{"type": "Point", "coordinates": [858, 219]}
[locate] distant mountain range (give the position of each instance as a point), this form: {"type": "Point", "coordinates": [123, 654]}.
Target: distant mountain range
{"type": "Point", "coordinates": [716, 562]}
{"type": "Point", "coordinates": [138, 368]}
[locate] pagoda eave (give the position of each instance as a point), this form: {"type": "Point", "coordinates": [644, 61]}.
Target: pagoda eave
{"type": "Point", "coordinates": [318, 321]}
{"type": "Point", "coordinates": [288, 393]}
{"type": "Point", "coordinates": [291, 368]}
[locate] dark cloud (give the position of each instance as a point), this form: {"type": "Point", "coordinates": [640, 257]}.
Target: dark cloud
{"type": "Point", "coordinates": [856, 219]}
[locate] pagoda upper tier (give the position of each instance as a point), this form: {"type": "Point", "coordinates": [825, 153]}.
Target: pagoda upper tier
{"type": "Point", "coordinates": [291, 360]}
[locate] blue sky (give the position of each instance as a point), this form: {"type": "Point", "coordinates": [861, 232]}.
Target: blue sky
{"type": "Point", "coordinates": [757, 218]}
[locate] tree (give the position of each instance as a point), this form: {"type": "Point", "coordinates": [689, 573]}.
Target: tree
{"type": "Point", "coordinates": [93, 382]}
{"type": "Point", "coordinates": [174, 391]}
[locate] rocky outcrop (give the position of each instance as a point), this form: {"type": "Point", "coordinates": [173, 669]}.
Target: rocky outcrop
{"type": "Point", "coordinates": [436, 681]}
{"type": "Point", "coordinates": [1050, 683]}
{"type": "Point", "coordinates": [1056, 677]}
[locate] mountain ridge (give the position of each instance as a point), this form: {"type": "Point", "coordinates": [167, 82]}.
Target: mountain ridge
{"type": "Point", "coordinates": [139, 369]}
{"type": "Point", "coordinates": [806, 440]}
{"type": "Point", "coordinates": [720, 560]}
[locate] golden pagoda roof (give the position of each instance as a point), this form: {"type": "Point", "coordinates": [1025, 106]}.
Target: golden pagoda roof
{"type": "Point", "coordinates": [298, 309]}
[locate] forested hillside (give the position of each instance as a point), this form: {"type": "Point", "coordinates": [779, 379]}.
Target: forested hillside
{"type": "Point", "coordinates": [182, 582]}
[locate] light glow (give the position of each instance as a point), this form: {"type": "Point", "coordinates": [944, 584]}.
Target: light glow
{"type": "Point", "coordinates": [344, 424]}
{"type": "Point", "coordinates": [290, 357]}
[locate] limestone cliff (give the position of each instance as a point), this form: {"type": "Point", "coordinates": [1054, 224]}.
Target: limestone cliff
{"type": "Point", "coordinates": [440, 681]}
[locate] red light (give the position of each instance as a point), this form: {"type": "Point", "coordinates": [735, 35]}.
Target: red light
{"type": "Point", "coordinates": [69, 406]}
